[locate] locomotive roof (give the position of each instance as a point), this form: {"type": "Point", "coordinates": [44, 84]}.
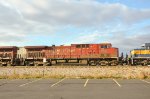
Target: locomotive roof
{"type": "Point", "coordinates": [7, 47]}
{"type": "Point", "coordinates": [147, 44]}
{"type": "Point", "coordinates": [104, 43]}
{"type": "Point", "coordinates": [92, 43]}
{"type": "Point", "coordinates": [30, 47]}
{"type": "Point", "coordinates": [141, 49]}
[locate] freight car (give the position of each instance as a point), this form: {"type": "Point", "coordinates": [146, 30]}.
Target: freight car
{"type": "Point", "coordinates": [7, 55]}
{"type": "Point", "coordinates": [141, 56]}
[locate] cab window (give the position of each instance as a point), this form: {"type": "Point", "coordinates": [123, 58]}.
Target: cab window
{"type": "Point", "coordinates": [104, 46]}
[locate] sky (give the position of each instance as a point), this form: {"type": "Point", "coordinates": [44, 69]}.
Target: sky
{"type": "Point", "coordinates": [124, 23]}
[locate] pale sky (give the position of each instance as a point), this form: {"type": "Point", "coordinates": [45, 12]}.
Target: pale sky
{"type": "Point", "coordinates": [124, 23]}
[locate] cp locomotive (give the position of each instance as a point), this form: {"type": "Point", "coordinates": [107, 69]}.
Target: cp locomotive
{"type": "Point", "coordinates": [75, 54]}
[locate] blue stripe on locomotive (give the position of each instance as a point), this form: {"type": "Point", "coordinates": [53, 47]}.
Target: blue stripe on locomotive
{"type": "Point", "coordinates": [141, 55]}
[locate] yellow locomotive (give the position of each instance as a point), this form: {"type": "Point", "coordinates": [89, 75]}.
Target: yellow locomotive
{"type": "Point", "coordinates": [141, 56]}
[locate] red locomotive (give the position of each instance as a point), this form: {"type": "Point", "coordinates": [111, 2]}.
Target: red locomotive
{"type": "Point", "coordinates": [89, 54]}
{"type": "Point", "coordinates": [34, 55]}
{"type": "Point", "coordinates": [7, 55]}
{"type": "Point", "coordinates": [75, 54]}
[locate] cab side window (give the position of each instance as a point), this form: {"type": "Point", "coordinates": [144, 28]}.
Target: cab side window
{"type": "Point", "coordinates": [104, 46]}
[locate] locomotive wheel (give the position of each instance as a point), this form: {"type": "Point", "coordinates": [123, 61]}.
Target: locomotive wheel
{"type": "Point", "coordinates": [45, 64]}
{"type": "Point", "coordinates": [27, 64]}
{"type": "Point", "coordinates": [109, 64]}
{"type": "Point", "coordinates": [97, 63]}
{"type": "Point", "coordinates": [35, 64]}
{"type": "Point", "coordinates": [92, 63]}
{"type": "Point", "coordinates": [104, 63]}
{"type": "Point", "coordinates": [144, 64]}
{"type": "Point", "coordinates": [8, 64]}
{"type": "Point", "coordinates": [113, 63]}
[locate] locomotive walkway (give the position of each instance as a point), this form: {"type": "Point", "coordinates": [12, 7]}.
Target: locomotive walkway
{"type": "Point", "coordinates": [74, 89]}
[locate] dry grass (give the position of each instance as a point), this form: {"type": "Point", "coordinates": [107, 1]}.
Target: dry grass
{"type": "Point", "coordinates": [126, 72]}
